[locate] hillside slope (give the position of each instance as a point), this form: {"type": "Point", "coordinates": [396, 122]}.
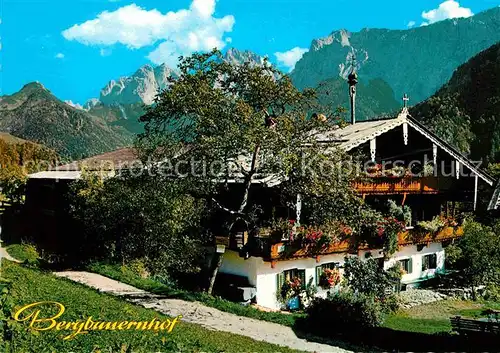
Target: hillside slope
{"type": "Point", "coordinates": [373, 99]}
{"type": "Point", "coordinates": [35, 114]}
{"type": "Point", "coordinates": [466, 111]}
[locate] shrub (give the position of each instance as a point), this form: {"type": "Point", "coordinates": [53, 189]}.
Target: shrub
{"type": "Point", "coordinates": [453, 255]}
{"type": "Point", "coordinates": [129, 218]}
{"type": "Point", "coordinates": [344, 312]}
{"type": "Point", "coordinates": [390, 304]}
{"type": "Point", "coordinates": [492, 292]}
{"type": "Point", "coordinates": [366, 277]}
{"type": "Point", "coordinates": [136, 267]}
{"type": "Point", "coordinates": [25, 252]}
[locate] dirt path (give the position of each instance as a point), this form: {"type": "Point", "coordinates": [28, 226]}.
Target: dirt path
{"type": "Point", "coordinates": [199, 314]}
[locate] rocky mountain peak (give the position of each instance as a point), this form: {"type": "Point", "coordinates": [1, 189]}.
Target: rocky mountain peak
{"type": "Point", "coordinates": [33, 87]}
{"type": "Point", "coordinates": [240, 57]}
{"type": "Point", "coordinates": [91, 103]}
{"type": "Point", "coordinates": [141, 87]}
{"type": "Point", "coordinates": [341, 36]}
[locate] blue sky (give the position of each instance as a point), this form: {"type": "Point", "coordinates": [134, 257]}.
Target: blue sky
{"type": "Point", "coordinates": [74, 49]}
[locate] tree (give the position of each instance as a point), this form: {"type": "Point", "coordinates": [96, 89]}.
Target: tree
{"type": "Point", "coordinates": [219, 122]}
{"type": "Point", "coordinates": [17, 160]}
{"type": "Point", "coordinates": [479, 258]}
{"type": "Point", "coordinates": [367, 278]}
{"type": "Point", "coordinates": [138, 218]}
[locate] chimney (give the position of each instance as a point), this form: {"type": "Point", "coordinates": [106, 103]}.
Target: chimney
{"type": "Point", "coordinates": [352, 79]}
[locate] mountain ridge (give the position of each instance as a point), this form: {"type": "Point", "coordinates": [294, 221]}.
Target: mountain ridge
{"type": "Point", "coordinates": [35, 114]}
{"type": "Point", "coordinates": [466, 110]}
{"type": "Point", "coordinates": [400, 57]}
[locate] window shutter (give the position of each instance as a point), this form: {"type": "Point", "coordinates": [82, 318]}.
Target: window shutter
{"type": "Point", "coordinates": [319, 271]}
{"type": "Point", "coordinates": [410, 265]}
{"type": "Point", "coordinates": [433, 261]}
{"type": "Point", "coordinates": [302, 276]}
{"type": "Point", "coordinates": [280, 280]}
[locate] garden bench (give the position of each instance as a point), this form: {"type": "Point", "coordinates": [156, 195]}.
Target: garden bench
{"type": "Point", "coordinates": [475, 327]}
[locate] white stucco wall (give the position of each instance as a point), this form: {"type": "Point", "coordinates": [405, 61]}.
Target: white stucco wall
{"type": "Point", "coordinates": [267, 276]}
{"type": "Point", "coordinates": [262, 275]}
{"type": "Point", "coordinates": [233, 264]}
{"type": "Point", "coordinates": [416, 256]}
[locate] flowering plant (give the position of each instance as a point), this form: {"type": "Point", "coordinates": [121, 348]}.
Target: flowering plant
{"type": "Point", "coordinates": [317, 238]}
{"type": "Point", "coordinates": [433, 226]}
{"type": "Point", "coordinates": [389, 225]}
{"type": "Point", "coordinates": [291, 288]}
{"type": "Point", "coordinates": [450, 221]}
{"type": "Point", "coordinates": [295, 284]}
{"type": "Point", "coordinates": [282, 229]}
{"type": "Point", "coordinates": [387, 230]}
{"type": "Point", "coordinates": [329, 278]}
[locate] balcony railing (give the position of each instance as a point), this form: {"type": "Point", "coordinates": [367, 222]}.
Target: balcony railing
{"type": "Point", "coordinates": [283, 250]}
{"type": "Point", "coordinates": [407, 184]}
{"type": "Point", "coordinates": [415, 237]}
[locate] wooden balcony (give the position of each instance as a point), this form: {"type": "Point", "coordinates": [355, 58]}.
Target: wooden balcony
{"type": "Point", "coordinates": [403, 185]}
{"type": "Point", "coordinates": [283, 251]}
{"type": "Point", "coordinates": [415, 237]}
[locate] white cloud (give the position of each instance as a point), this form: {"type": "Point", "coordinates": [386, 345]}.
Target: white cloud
{"type": "Point", "coordinates": [447, 9]}
{"type": "Point", "coordinates": [289, 58]}
{"type": "Point", "coordinates": [59, 56]}
{"type": "Point", "coordinates": [178, 33]}
{"type": "Point", "coordinates": [411, 24]}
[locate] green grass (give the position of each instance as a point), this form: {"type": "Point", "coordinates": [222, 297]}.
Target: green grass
{"type": "Point", "coordinates": [435, 317]}
{"type": "Point", "coordinates": [126, 276]}
{"type": "Point", "coordinates": [30, 285]}
{"type": "Point", "coordinates": [404, 323]}
{"type": "Point", "coordinates": [23, 252]}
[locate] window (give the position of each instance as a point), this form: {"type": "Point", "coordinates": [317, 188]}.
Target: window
{"type": "Point", "coordinates": [429, 262]}
{"type": "Point", "coordinates": [327, 266]}
{"type": "Point", "coordinates": [288, 275]}
{"type": "Point", "coordinates": [406, 265]}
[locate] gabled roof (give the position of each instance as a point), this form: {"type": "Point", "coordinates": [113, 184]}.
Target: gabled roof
{"type": "Point", "coordinates": [346, 138]}
{"type": "Point", "coordinates": [355, 135]}
{"type": "Point", "coordinates": [108, 162]}
{"type": "Point", "coordinates": [495, 199]}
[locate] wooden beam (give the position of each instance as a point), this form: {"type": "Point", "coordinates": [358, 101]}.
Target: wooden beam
{"type": "Point", "coordinates": [373, 148]}
{"type": "Point", "coordinates": [298, 208]}
{"type": "Point", "coordinates": [475, 190]}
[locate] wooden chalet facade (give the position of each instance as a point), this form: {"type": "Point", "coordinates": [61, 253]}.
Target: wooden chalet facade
{"type": "Point", "coordinates": [442, 183]}
{"type": "Point", "coordinates": [432, 178]}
